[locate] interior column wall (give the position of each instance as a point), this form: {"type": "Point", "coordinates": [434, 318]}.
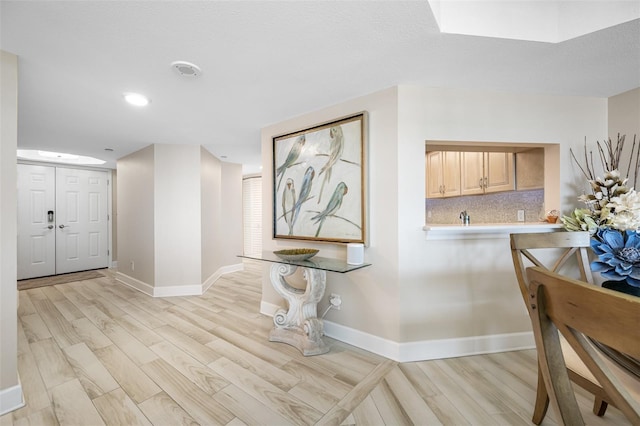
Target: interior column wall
{"type": "Point", "coordinates": [136, 229]}
{"type": "Point", "coordinates": [211, 183]}
{"type": "Point", "coordinates": [230, 235]}
{"type": "Point", "coordinates": [179, 219]}
{"type": "Point", "coordinates": [177, 213]}
{"type": "Point", "coordinates": [10, 390]}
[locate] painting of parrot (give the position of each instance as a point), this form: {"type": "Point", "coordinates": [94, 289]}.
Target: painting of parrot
{"type": "Point", "coordinates": [332, 206]}
{"type": "Point", "coordinates": [305, 191]}
{"type": "Point", "coordinates": [291, 159]}
{"type": "Point", "coordinates": [336, 149]}
{"type": "Point", "coordinates": [319, 181]}
{"type": "Point", "coordinates": [288, 203]}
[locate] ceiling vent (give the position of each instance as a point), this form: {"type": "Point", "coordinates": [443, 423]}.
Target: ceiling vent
{"type": "Point", "coordinates": [186, 69]}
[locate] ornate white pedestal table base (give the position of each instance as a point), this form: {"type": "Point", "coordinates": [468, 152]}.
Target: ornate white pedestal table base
{"type": "Point", "coordinates": [299, 326]}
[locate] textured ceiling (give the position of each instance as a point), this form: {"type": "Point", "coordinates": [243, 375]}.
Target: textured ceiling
{"type": "Point", "coordinates": [262, 62]}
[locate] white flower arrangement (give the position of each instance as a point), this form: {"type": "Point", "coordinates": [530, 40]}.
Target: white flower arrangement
{"type": "Point", "coordinates": [611, 204]}
{"type": "Point", "coordinates": [612, 217]}
{"type": "Point", "coordinates": [627, 211]}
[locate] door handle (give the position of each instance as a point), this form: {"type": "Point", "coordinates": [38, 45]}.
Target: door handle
{"type": "Point", "coordinates": [50, 227]}
{"type": "Point", "coordinates": [61, 226]}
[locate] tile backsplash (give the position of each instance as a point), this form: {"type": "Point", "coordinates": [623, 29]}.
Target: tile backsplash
{"type": "Point", "coordinates": [501, 207]}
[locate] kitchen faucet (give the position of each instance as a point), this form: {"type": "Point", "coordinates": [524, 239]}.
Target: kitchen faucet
{"type": "Point", "coordinates": [464, 217]}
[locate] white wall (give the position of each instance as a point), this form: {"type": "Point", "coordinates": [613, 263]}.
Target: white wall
{"type": "Point", "coordinates": [230, 246]}
{"type": "Point", "coordinates": [419, 293]}
{"type": "Point", "coordinates": [135, 203]}
{"type": "Point", "coordinates": [467, 288]}
{"type": "Point", "coordinates": [624, 119]}
{"type": "Point", "coordinates": [211, 185]}
{"type": "Point", "coordinates": [177, 215]}
{"type": "Point", "coordinates": [10, 389]}
{"type": "Point", "coordinates": [370, 295]}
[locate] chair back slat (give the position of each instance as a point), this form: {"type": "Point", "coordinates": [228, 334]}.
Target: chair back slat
{"type": "Point", "coordinates": [580, 311]}
{"type": "Point", "coordinates": [571, 245]}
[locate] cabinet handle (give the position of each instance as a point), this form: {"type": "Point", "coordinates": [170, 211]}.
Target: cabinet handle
{"type": "Point", "coordinates": [485, 183]}
{"type": "Point", "coordinates": [480, 183]}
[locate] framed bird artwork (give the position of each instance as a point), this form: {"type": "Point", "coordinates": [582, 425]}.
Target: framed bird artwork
{"type": "Point", "coordinates": [319, 177]}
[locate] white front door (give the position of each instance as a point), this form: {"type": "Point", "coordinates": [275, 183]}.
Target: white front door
{"type": "Point", "coordinates": [62, 220]}
{"type": "Point", "coordinates": [81, 225]}
{"type": "Point", "coordinates": [36, 228]}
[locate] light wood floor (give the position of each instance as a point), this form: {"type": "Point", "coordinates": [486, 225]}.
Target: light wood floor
{"type": "Point", "coordinates": [97, 352]}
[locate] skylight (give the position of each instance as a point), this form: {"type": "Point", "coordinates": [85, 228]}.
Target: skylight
{"type": "Point", "coordinates": [58, 157]}
{"type": "Point", "coordinates": [550, 21]}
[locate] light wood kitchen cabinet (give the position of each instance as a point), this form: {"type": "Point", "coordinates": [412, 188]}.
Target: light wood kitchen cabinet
{"type": "Point", "coordinates": [530, 169]}
{"type": "Point", "coordinates": [442, 174]}
{"type": "Point", "coordinates": [485, 172]}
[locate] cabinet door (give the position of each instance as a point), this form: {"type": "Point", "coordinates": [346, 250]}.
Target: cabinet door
{"type": "Point", "coordinates": [529, 169]}
{"type": "Point", "coordinates": [472, 175]}
{"type": "Point", "coordinates": [451, 173]}
{"type": "Point", "coordinates": [498, 169]}
{"type": "Point", "coordinates": [433, 173]}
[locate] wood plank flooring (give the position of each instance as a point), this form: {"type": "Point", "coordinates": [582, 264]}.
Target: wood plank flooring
{"type": "Point", "coordinates": [97, 352]}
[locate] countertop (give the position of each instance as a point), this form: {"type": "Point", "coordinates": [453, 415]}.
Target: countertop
{"type": "Point", "coordinates": [486, 230]}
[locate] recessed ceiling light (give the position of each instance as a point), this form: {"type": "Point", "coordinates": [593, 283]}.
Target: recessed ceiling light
{"type": "Point", "coordinates": [186, 69]}
{"type": "Point", "coordinates": [136, 99]}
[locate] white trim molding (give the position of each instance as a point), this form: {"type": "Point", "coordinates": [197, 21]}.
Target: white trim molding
{"type": "Point", "coordinates": [465, 346]}
{"type": "Point", "coordinates": [11, 399]}
{"type": "Point", "coordinates": [430, 349]}
{"type": "Point", "coordinates": [220, 272]}
{"type": "Point", "coordinates": [422, 350]}
{"type": "Point", "coordinates": [177, 290]}
{"type": "Point", "coordinates": [269, 309]}
{"type": "Point", "coordinates": [135, 283]}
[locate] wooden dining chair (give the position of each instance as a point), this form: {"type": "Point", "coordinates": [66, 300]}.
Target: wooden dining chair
{"type": "Point", "coordinates": [582, 312]}
{"type": "Point", "coordinates": [564, 252]}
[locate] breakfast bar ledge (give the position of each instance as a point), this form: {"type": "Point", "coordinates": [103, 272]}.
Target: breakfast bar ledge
{"type": "Point", "coordinates": [486, 230]}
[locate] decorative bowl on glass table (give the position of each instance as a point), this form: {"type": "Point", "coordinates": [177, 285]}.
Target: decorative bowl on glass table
{"type": "Point", "coordinates": [296, 254]}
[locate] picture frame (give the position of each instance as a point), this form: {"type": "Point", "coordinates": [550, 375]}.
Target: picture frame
{"type": "Point", "coordinates": [319, 182]}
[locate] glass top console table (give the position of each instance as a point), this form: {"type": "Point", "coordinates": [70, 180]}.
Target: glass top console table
{"type": "Point", "coordinates": [299, 325]}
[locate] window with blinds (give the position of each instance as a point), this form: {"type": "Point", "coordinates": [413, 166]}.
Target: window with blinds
{"type": "Point", "coordinates": [252, 214]}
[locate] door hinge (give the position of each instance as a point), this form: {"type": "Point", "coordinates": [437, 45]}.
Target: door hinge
{"type": "Point", "coordinates": [108, 252]}
{"type": "Point", "coordinates": [108, 218]}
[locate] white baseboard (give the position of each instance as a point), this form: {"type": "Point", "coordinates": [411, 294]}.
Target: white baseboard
{"type": "Point", "coordinates": [172, 291]}
{"type": "Point", "coordinates": [178, 290]}
{"type": "Point", "coordinates": [268, 309]}
{"type": "Point", "coordinates": [135, 283]}
{"type": "Point", "coordinates": [11, 399]}
{"type": "Point", "coordinates": [422, 350]}
{"type": "Point", "coordinates": [430, 349]}
{"type": "Point", "coordinates": [220, 272]}
{"type": "Point", "coordinates": [465, 346]}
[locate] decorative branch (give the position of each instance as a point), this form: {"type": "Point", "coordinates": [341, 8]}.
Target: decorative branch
{"type": "Point", "coordinates": [610, 158]}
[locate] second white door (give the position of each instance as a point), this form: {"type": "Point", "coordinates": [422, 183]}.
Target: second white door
{"type": "Point", "coordinates": [82, 226]}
